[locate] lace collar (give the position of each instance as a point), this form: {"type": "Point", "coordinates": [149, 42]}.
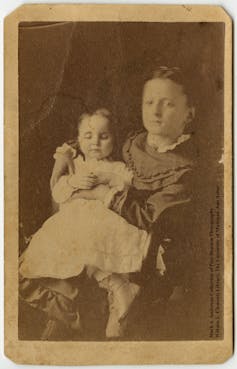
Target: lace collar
{"type": "Point", "coordinates": [151, 141]}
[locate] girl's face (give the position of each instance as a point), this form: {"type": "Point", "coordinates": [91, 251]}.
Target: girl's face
{"type": "Point", "coordinates": [95, 137]}
{"type": "Point", "coordinates": [165, 110]}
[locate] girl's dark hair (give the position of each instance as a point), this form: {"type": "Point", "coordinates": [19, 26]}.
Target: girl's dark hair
{"type": "Point", "coordinates": [177, 75]}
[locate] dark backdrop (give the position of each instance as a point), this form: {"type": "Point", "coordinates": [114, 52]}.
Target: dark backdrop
{"type": "Point", "coordinates": [66, 67]}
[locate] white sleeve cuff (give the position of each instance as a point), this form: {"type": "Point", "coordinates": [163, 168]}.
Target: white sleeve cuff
{"type": "Point", "coordinates": [62, 191]}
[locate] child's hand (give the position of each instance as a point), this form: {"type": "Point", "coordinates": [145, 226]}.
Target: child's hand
{"type": "Point", "coordinates": [102, 177]}
{"type": "Point", "coordinates": [100, 191]}
{"type": "Point", "coordinates": [96, 193]}
{"type": "Point", "coordinates": [83, 181]}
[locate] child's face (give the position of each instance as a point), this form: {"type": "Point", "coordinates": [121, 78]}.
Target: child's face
{"type": "Point", "coordinates": [95, 137]}
{"type": "Point", "coordinates": [165, 109]}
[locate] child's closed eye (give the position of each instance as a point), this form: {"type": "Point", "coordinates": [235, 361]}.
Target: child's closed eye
{"type": "Point", "coordinates": [170, 104]}
{"type": "Point", "coordinates": [87, 135]}
{"type": "Point", "coordinates": [104, 136]}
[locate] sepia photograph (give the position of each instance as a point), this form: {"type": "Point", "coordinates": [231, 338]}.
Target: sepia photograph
{"type": "Point", "coordinates": [121, 150]}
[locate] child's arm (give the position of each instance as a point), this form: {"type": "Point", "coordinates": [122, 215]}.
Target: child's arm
{"type": "Point", "coordinates": [62, 190]}
{"type": "Point", "coordinates": [97, 193]}
{"type": "Point", "coordinates": [68, 185]}
{"type": "Point", "coordinates": [63, 163]}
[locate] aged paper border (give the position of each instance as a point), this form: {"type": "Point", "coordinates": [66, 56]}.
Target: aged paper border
{"type": "Point", "coordinates": [92, 353]}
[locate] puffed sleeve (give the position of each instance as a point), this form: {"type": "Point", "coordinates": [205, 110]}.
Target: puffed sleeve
{"type": "Point", "coordinates": [123, 174]}
{"type": "Point", "coordinates": [63, 161]}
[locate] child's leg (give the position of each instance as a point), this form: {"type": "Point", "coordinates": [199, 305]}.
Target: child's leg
{"type": "Point", "coordinates": [57, 298]}
{"type": "Point", "coordinates": [121, 294]}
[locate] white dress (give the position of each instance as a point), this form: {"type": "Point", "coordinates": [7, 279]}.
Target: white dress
{"type": "Point", "coordinates": [85, 232]}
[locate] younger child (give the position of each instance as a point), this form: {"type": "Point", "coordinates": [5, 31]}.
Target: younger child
{"type": "Point", "coordinates": [85, 232]}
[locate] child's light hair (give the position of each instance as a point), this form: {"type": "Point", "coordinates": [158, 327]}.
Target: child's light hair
{"type": "Point", "coordinates": [103, 112]}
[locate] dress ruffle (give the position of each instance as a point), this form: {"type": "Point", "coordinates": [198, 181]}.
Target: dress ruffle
{"type": "Point", "coordinates": [153, 170]}
{"type": "Point", "coordinates": [82, 233]}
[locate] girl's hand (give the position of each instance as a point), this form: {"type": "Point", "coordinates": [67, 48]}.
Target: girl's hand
{"type": "Point", "coordinates": [83, 181]}
{"type": "Point", "coordinates": [97, 193]}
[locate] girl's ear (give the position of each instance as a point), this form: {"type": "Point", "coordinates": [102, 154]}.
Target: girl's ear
{"type": "Point", "coordinates": [191, 115]}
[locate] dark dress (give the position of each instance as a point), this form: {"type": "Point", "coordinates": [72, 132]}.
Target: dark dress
{"type": "Point", "coordinates": [161, 180]}
{"type": "Point", "coordinates": [161, 201]}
